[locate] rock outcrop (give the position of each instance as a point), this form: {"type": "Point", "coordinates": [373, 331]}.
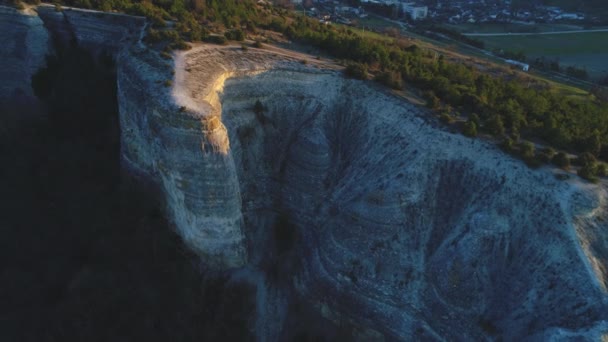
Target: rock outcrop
{"type": "Point", "coordinates": [401, 229]}
{"type": "Point", "coordinates": [186, 154]}
{"type": "Point", "coordinates": [93, 30]}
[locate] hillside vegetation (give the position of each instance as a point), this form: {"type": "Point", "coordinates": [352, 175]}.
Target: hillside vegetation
{"type": "Point", "coordinates": [506, 107]}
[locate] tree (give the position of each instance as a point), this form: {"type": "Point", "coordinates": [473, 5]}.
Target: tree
{"type": "Point", "coordinates": [526, 151]}
{"type": "Point", "coordinates": [593, 143]}
{"type": "Point", "coordinates": [495, 125]}
{"type": "Point", "coordinates": [470, 129]}
{"type": "Point", "coordinates": [507, 145]}
{"type": "Point", "coordinates": [589, 172]}
{"type": "Point", "coordinates": [356, 70]}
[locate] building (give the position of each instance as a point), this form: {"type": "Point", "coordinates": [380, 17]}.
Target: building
{"type": "Point", "coordinates": [414, 12]}
{"type": "Point", "coordinates": [523, 66]}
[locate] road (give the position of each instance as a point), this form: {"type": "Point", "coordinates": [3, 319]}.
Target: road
{"type": "Point", "coordinates": [531, 33]}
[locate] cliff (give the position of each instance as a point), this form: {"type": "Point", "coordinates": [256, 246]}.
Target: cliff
{"type": "Point", "coordinates": [402, 227]}
{"type": "Point", "coordinates": [25, 44]}
{"type": "Point", "coordinates": [343, 195]}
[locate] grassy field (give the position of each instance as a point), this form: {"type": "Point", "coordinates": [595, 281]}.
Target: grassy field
{"type": "Point", "coordinates": [511, 27]}
{"type": "Point", "coordinates": [466, 52]}
{"type": "Point", "coordinates": [376, 23]}
{"type": "Point", "coordinates": [584, 50]}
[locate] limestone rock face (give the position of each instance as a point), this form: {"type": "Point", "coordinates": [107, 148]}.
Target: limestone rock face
{"type": "Point", "coordinates": [96, 31]}
{"type": "Point", "coordinates": [186, 154]}
{"type": "Point", "coordinates": [405, 228]}
{"type": "Point", "coordinates": [24, 44]}
{"type": "Point", "coordinates": [402, 229]}
{"type": "Point", "coordinates": [183, 153]}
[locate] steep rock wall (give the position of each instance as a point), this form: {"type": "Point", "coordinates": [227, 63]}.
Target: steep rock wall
{"type": "Point", "coordinates": [24, 45]}
{"type": "Point", "coordinates": [406, 228]}
{"type": "Point", "coordinates": [183, 153]}
{"type": "Point", "coordinates": [93, 30]}
{"type": "Point", "coordinates": [403, 227]}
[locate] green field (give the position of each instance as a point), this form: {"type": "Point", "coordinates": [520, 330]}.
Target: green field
{"type": "Point", "coordinates": [584, 50]}
{"type": "Point", "coordinates": [510, 27]}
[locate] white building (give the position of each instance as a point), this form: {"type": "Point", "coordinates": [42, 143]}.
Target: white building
{"type": "Point", "coordinates": [415, 12]}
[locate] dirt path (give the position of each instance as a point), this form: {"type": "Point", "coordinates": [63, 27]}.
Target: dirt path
{"type": "Point", "coordinates": [323, 63]}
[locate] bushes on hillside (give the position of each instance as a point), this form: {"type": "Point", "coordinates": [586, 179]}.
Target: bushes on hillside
{"type": "Point", "coordinates": [561, 160]}
{"type": "Point", "coordinates": [215, 39]}
{"type": "Point", "coordinates": [356, 70]}
{"type": "Point", "coordinates": [470, 129]}
{"type": "Point", "coordinates": [237, 35]}
{"type": "Point", "coordinates": [589, 167]}
{"type": "Point", "coordinates": [390, 79]}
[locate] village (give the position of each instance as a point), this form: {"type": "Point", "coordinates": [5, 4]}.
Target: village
{"type": "Point", "coordinates": [436, 11]}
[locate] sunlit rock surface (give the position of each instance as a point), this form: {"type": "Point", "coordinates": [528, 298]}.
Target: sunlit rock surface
{"type": "Point", "coordinates": [186, 153]}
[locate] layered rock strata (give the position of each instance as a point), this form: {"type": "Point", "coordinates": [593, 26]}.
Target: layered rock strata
{"type": "Point", "coordinates": [403, 228]}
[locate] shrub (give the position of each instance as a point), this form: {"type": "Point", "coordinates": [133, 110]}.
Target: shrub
{"type": "Point", "coordinates": [168, 83]}
{"type": "Point", "coordinates": [495, 125]}
{"type": "Point", "coordinates": [153, 36]}
{"type": "Point", "coordinates": [602, 169]}
{"type": "Point", "coordinates": [526, 150]}
{"type": "Point", "coordinates": [356, 70]}
{"type": "Point", "coordinates": [475, 119]}
{"type": "Point", "coordinates": [585, 159]}
{"type": "Point", "coordinates": [546, 155]}
{"type": "Point", "coordinates": [432, 101]}
{"type": "Point", "coordinates": [508, 145]}
{"type": "Point", "coordinates": [561, 160]}
{"type": "Point", "coordinates": [390, 79]}
{"type": "Point", "coordinates": [446, 118]}
{"type": "Point", "coordinates": [470, 129]}
{"type": "Point", "coordinates": [257, 44]}
{"type": "Point", "coordinates": [237, 35]}
{"type": "Point", "coordinates": [589, 172]}
{"type": "Point", "coordinates": [181, 45]}
{"type": "Point", "coordinates": [221, 40]}
{"type": "Point", "coordinates": [549, 152]}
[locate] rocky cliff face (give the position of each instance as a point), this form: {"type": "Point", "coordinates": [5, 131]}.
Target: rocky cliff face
{"type": "Point", "coordinates": [95, 31]}
{"type": "Point", "coordinates": [25, 43]}
{"type": "Point", "coordinates": [402, 227]}
{"type": "Point", "coordinates": [341, 194]}
{"type": "Point", "coordinates": [185, 154]}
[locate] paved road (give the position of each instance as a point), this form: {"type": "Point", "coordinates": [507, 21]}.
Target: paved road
{"type": "Point", "coordinates": [531, 33]}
